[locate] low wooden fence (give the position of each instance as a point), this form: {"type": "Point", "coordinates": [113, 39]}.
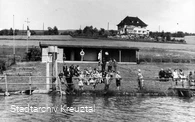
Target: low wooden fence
{"type": "Point", "coordinates": [150, 83]}
{"type": "Point", "coordinates": [165, 60]}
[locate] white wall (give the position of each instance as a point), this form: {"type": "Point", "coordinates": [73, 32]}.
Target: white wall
{"type": "Point", "coordinates": [46, 57]}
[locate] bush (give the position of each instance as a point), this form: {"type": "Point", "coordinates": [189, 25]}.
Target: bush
{"type": "Point", "coordinates": [34, 54]}
{"type": "Point", "coordinates": [192, 60]}
{"type": "Point", "coordinates": [175, 60]}
{"type": "Point", "coordinates": [166, 60]}
{"type": "Point", "coordinates": [2, 66]}
{"type": "Point", "coordinates": [145, 59]}
{"type": "Point", "coordinates": [185, 61]}
{"type": "Point", "coordinates": [157, 60]}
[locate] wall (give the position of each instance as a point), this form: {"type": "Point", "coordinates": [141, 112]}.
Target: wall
{"type": "Point", "coordinates": [133, 30]}
{"type": "Point", "coordinates": [113, 53]}
{"type": "Point", "coordinates": [45, 55]}
{"type": "Point", "coordinates": [73, 54]}
{"type": "Point", "coordinates": [90, 55]}
{"type": "Point", "coordinates": [128, 56]}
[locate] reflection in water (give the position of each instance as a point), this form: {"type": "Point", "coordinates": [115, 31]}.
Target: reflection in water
{"type": "Point", "coordinates": [69, 100]}
{"type": "Point", "coordinates": [135, 109]}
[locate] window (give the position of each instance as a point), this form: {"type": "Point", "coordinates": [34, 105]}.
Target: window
{"type": "Point", "coordinates": [139, 31]}
{"type": "Point", "coordinates": [135, 31]}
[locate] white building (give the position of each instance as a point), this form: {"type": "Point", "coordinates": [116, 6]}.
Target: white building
{"type": "Point", "coordinates": [132, 25]}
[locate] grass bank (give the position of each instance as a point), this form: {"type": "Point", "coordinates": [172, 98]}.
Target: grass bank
{"type": "Point", "coordinates": [128, 73]}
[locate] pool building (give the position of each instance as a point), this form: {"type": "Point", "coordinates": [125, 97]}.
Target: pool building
{"type": "Point", "coordinates": [89, 50]}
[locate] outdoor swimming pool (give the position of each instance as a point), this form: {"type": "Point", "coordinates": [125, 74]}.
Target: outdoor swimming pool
{"type": "Point", "coordinates": [52, 108]}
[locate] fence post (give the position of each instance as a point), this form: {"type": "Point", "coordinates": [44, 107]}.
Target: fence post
{"type": "Point", "coordinates": [60, 86]}
{"type": "Point", "coordinates": [6, 87]}
{"type": "Point", "coordinates": [30, 83]}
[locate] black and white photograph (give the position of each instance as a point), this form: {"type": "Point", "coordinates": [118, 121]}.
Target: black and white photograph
{"type": "Point", "coordinates": [97, 60]}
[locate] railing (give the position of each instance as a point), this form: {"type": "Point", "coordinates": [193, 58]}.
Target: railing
{"type": "Point", "coordinates": [30, 82]}
{"type": "Point", "coordinates": [165, 60]}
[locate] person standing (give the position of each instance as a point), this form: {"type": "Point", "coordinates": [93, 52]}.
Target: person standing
{"type": "Point", "coordinates": [81, 79]}
{"type": "Point", "coordinates": [109, 79]}
{"type": "Point", "coordinates": [100, 56]}
{"type": "Point", "coordinates": [190, 78]}
{"type": "Point", "coordinates": [175, 76]}
{"type": "Point", "coordinates": [99, 66]}
{"type": "Point", "coordinates": [140, 80]}
{"type": "Point", "coordinates": [110, 64]}
{"type": "Point", "coordinates": [115, 65]}
{"type": "Point", "coordinates": [103, 65]}
{"type": "Point", "coordinates": [118, 80]}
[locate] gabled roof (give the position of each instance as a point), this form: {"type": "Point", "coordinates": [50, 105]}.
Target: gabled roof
{"type": "Point", "coordinates": [132, 21]}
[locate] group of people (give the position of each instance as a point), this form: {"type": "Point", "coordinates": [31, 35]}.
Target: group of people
{"type": "Point", "coordinates": [109, 66]}
{"type": "Point", "coordinates": [177, 75]}
{"type": "Point", "coordinates": [89, 76]}
{"type": "Point", "coordinates": [164, 75]}
{"type": "Point", "coordinates": [94, 76]}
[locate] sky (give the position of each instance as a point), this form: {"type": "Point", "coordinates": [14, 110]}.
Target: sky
{"type": "Point", "coordinates": [163, 15]}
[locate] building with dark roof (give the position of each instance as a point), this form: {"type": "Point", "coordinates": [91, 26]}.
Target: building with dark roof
{"type": "Point", "coordinates": [71, 50]}
{"type": "Point", "coordinates": [132, 25]}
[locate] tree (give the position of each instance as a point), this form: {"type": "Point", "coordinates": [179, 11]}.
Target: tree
{"type": "Point", "coordinates": [95, 32]}
{"type": "Point", "coordinates": [102, 31]}
{"type": "Point", "coordinates": [88, 30]}
{"type": "Point", "coordinates": [55, 30]}
{"type": "Point", "coordinates": [113, 32]}
{"type": "Point", "coordinates": [11, 31]}
{"type": "Point", "coordinates": [34, 54]}
{"type": "Point", "coordinates": [50, 31]}
{"type": "Point", "coordinates": [4, 32]}
{"type": "Point", "coordinates": [33, 32]}
{"type": "Point", "coordinates": [168, 36]}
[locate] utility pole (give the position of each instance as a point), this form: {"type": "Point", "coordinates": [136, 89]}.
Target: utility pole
{"type": "Point", "coordinates": [23, 30]}
{"type": "Point", "coordinates": [108, 29]}
{"type": "Point", "coordinates": [27, 35]}
{"type": "Point", "coordinates": [43, 28]}
{"type": "Point", "coordinates": [14, 40]}
{"type": "Point", "coordinates": [159, 28]}
{"type": "Point", "coordinates": [108, 26]}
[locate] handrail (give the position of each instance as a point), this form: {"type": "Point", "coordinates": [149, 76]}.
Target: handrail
{"type": "Point", "coordinates": [74, 77]}
{"type": "Point", "coordinates": [32, 82]}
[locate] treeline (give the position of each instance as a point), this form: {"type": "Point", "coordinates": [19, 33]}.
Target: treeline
{"type": "Point", "coordinates": [167, 36]}
{"type": "Point", "coordinates": [90, 31]}
{"type": "Point", "coordinates": [16, 32]}
{"type": "Point", "coordinates": [49, 31]}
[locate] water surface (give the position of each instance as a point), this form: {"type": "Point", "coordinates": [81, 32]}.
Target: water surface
{"type": "Point", "coordinates": [116, 108]}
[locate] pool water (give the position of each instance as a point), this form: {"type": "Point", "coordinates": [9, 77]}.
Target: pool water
{"type": "Point", "coordinates": [54, 108]}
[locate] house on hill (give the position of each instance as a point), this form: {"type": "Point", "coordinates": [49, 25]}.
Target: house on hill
{"type": "Point", "coordinates": [132, 25]}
